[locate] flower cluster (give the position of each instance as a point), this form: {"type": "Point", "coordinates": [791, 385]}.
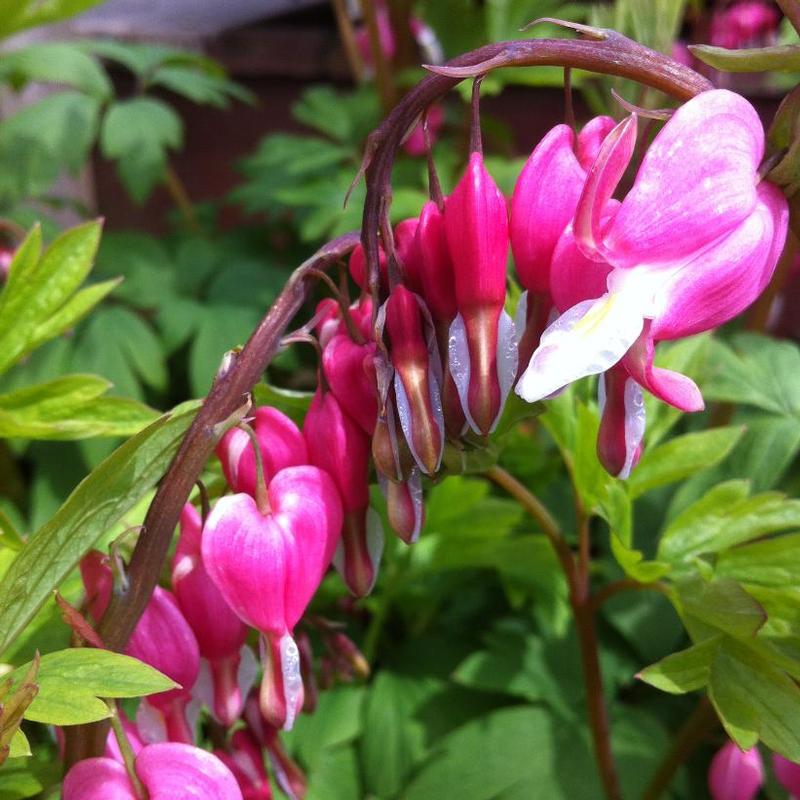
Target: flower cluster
{"type": "Point", "coordinates": [737, 774]}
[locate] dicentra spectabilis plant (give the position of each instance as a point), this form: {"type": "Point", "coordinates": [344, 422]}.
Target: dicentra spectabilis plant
{"type": "Point", "coordinates": [514, 330]}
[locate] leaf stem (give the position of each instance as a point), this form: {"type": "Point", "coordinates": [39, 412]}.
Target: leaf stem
{"type": "Point", "coordinates": [623, 585]}
{"type": "Point", "coordinates": [576, 572]}
{"type": "Point", "coordinates": [128, 756]}
{"type": "Point", "coordinates": [180, 196]}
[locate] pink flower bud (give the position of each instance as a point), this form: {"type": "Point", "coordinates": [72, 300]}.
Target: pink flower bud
{"type": "Point", "coordinates": [350, 371]}
{"type": "Point", "coordinates": [358, 267]}
{"type": "Point", "coordinates": [734, 774]}
{"type": "Point", "coordinates": [268, 566]}
{"type": "Point", "coordinates": [483, 349]}
{"type": "Point", "coordinates": [406, 247]}
{"type": "Point", "coordinates": [339, 446]}
{"type": "Point", "coordinates": [281, 443]}
{"type": "Point", "coordinates": [327, 320]}
{"type": "Point", "coordinates": [619, 441]}
{"type": "Point", "coordinates": [437, 272]}
{"type": "Point", "coordinates": [788, 774]}
{"type": "Point", "coordinates": [417, 377]}
{"type": "Point", "coordinates": [405, 507]}
{"type": "Point", "coordinates": [167, 771]}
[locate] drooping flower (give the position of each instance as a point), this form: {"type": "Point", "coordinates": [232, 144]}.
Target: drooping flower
{"type": "Point", "coordinates": [417, 376]}
{"type": "Point", "coordinates": [788, 774]}
{"type": "Point", "coordinates": [349, 368]}
{"type": "Point", "coordinates": [246, 761]}
{"type": "Point", "coordinates": [752, 23]}
{"type": "Point", "coordinates": [267, 564]}
{"type": "Point", "coordinates": [483, 351]}
{"type": "Point", "coordinates": [339, 446]}
{"type": "Point", "coordinates": [167, 770]}
{"type": "Point", "coordinates": [690, 246]}
{"type": "Point", "coordinates": [281, 442]}
{"type": "Point", "coordinates": [735, 774]}
{"type": "Point", "coordinates": [220, 633]}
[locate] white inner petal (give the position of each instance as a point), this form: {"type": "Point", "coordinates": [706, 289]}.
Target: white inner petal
{"type": "Point", "coordinates": [521, 315]}
{"type": "Point", "coordinates": [507, 359]}
{"type": "Point", "coordinates": [587, 339]}
{"type": "Point", "coordinates": [634, 424]}
{"type": "Point", "coordinates": [458, 361]}
{"type": "Point", "coordinates": [374, 543]}
{"type": "Point", "coordinates": [292, 679]}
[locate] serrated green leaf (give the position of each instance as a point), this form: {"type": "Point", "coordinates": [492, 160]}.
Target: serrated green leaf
{"type": "Point", "coordinates": [142, 58]}
{"type": "Point", "coordinates": [771, 562]}
{"type": "Point", "coordinates": [71, 683]}
{"type": "Point", "coordinates": [685, 671]}
{"type": "Point", "coordinates": [200, 86]}
{"type": "Point", "coordinates": [780, 58]}
{"type": "Point", "coordinates": [682, 456]}
{"type": "Point", "coordinates": [63, 63]}
{"type": "Point", "coordinates": [97, 503]}
{"type": "Point", "coordinates": [137, 134]}
{"type": "Point", "coordinates": [42, 289]}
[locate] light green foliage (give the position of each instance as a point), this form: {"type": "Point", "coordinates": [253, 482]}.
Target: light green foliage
{"type": "Point", "coordinates": [763, 59]}
{"type": "Point", "coordinates": [71, 683]}
{"type": "Point", "coordinates": [17, 15]}
{"type": "Point", "coordinates": [98, 502]}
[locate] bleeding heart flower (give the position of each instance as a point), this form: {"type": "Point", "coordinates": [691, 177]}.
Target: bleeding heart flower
{"type": "Point", "coordinates": [349, 368]}
{"type": "Point", "coordinates": [281, 444]}
{"type": "Point", "coordinates": [168, 771]}
{"type": "Point", "coordinates": [405, 507]}
{"type": "Point", "coordinates": [246, 761]}
{"type": "Point", "coordinates": [788, 774]}
{"type": "Point", "coordinates": [735, 774]}
{"type": "Point", "coordinates": [267, 565]}
{"type": "Point", "coordinates": [483, 349]}
{"type": "Point", "coordinates": [691, 245]}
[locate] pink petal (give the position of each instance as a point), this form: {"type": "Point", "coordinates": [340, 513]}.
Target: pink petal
{"type": "Point", "coordinates": [97, 779]}
{"type": "Point", "coordinates": [172, 771]}
{"type": "Point", "coordinates": [544, 201]}
{"type": "Point", "coordinates": [436, 264]}
{"type": "Point", "coordinates": [728, 276]}
{"type": "Point", "coordinates": [734, 774]}
{"type": "Point", "coordinates": [673, 388]}
{"type": "Point", "coordinates": [619, 441]}
{"type": "Point", "coordinates": [405, 243]}
{"type": "Point", "coordinates": [348, 368]}
{"type": "Point", "coordinates": [219, 631]}
{"type": "Point", "coordinates": [591, 138]}
{"type": "Point", "coordinates": [607, 170]}
{"type": "Point", "coordinates": [696, 183]}
{"type": "Point", "coordinates": [787, 773]}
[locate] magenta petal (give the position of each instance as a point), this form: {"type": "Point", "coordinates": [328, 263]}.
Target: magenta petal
{"type": "Point", "coordinates": [170, 771]}
{"type": "Point", "coordinates": [673, 388]}
{"type": "Point", "coordinates": [787, 773]}
{"type": "Point", "coordinates": [436, 264]}
{"type": "Point", "coordinates": [622, 424]}
{"type": "Point", "coordinates": [97, 779]}
{"type": "Point", "coordinates": [219, 632]}
{"type": "Point", "coordinates": [281, 443]}
{"type": "Point", "coordinates": [476, 223]}
{"type": "Point", "coordinates": [591, 138]}
{"type": "Point", "coordinates": [697, 182]}
{"type": "Point", "coordinates": [406, 247]}
{"type": "Point", "coordinates": [163, 639]}
{"type": "Point", "coordinates": [544, 200]}
{"type": "Point", "coordinates": [575, 277]}
{"type": "Point", "coordinates": [348, 368]}
{"type": "Point", "coordinates": [607, 170]}
{"type": "Point", "coordinates": [728, 276]}
{"type": "Point", "coordinates": [735, 774]}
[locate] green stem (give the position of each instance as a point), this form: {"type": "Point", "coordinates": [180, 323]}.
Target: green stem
{"type": "Point", "coordinates": [128, 756]}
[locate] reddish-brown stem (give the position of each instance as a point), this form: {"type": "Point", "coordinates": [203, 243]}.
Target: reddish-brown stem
{"type": "Point", "coordinates": [699, 724]}
{"type": "Point", "coordinates": [383, 73]}
{"type": "Point", "coordinates": [227, 394]}
{"type": "Point", "coordinates": [348, 38]}
{"type": "Point", "coordinates": [576, 572]}
{"type": "Point", "coordinates": [614, 588]}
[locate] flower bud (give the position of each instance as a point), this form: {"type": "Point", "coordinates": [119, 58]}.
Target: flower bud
{"type": "Point", "coordinates": [405, 507]}
{"type": "Point", "coordinates": [788, 774]}
{"type": "Point", "coordinates": [350, 371]}
{"type": "Point", "coordinates": [482, 343]}
{"type": "Point", "coordinates": [358, 267]}
{"type": "Point", "coordinates": [735, 774]}
{"type": "Point", "coordinates": [417, 383]}
{"type": "Point", "coordinates": [406, 247]}
{"type": "Point", "coordinates": [246, 761]}
{"type": "Point", "coordinates": [281, 444]}
{"type": "Point", "coordinates": [436, 265]}
{"type": "Point", "coordinates": [622, 424]}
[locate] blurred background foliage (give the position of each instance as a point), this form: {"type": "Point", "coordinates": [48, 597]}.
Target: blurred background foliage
{"type": "Point", "coordinates": [476, 689]}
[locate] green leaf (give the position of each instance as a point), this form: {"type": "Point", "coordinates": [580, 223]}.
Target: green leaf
{"type": "Point", "coordinates": [17, 15]}
{"type": "Point", "coordinates": [200, 86]}
{"type": "Point", "coordinates": [721, 604]}
{"type": "Point", "coordinates": [137, 134]}
{"type": "Point", "coordinates": [724, 517]}
{"type": "Point", "coordinates": [19, 747]}
{"type": "Point", "coordinates": [39, 289]}
{"type": "Point", "coordinates": [771, 562]}
{"type": "Point", "coordinates": [43, 139]}
{"type": "Point", "coordinates": [96, 504]}
{"type": "Point", "coordinates": [70, 408]}
{"type": "Point", "coordinates": [143, 58]}
{"type": "Point", "coordinates": [682, 456]}
{"type": "Point", "coordinates": [71, 683]}
{"type": "Point", "coordinates": [755, 700]}
{"type": "Point", "coordinates": [780, 58]}
{"type": "Point", "coordinates": [685, 671]}
{"type": "Point", "coordinates": [55, 62]}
